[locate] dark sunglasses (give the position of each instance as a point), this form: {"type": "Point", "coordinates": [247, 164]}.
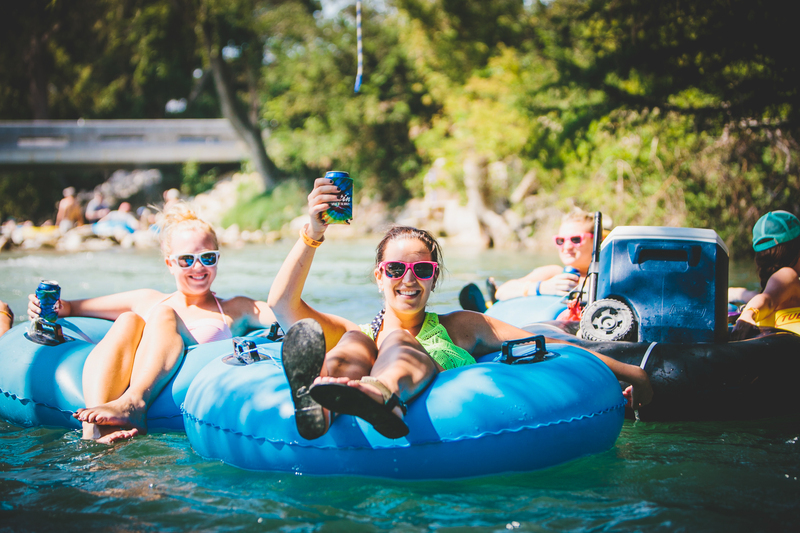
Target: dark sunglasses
{"type": "Point", "coordinates": [577, 240]}
{"type": "Point", "coordinates": [208, 259]}
{"type": "Point", "coordinates": [398, 269]}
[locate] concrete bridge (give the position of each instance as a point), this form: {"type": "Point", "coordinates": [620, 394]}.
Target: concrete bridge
{"type": "Point", "coordinates": [118, 143]}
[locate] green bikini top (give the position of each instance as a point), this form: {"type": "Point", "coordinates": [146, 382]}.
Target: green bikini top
{"type": "Point", "coordinates": [434, 338]}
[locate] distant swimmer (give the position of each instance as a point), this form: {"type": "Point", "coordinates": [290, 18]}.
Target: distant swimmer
{"type": "Point", "coordinates": [69, 211]}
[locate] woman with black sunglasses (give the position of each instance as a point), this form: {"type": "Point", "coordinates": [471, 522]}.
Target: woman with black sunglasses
{"type": "Point", "coordinates": [142, 350]}
{"type": "Point", "coordinates": [371, 371]}
{"type": "Point", "coordinates": [574, 240]}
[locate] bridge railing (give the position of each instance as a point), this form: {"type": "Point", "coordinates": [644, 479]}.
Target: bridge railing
{"type": "Point", "coordinates": [119, 142]}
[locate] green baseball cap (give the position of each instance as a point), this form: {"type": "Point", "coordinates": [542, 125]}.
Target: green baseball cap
{"type": "Point", "coordinates": [774, 228]}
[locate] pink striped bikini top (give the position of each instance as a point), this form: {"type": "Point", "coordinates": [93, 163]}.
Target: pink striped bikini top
{"type": "Point", "coordinates": [205, 329]}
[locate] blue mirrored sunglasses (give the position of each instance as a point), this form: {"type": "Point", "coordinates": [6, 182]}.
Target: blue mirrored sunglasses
{"type": "Point", "coordinates": [208, 259]}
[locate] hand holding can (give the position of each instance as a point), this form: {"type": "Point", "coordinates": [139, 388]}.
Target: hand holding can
{"type": "Point", "coordinates": [48, 293]}
{"type": "Point", "coordinates": [341, 210]}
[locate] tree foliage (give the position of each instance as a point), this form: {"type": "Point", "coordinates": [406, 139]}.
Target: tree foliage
{"type": "Point", "coordinates": [667, 112]}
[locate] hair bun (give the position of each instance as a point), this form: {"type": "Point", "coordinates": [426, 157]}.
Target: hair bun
{"type": "Point", "coordinates": [179, 215]}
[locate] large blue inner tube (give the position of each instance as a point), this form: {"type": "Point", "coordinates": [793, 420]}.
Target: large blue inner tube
{"type": "Point", "coordinates": [41, 385]}
{"type": "Point", "coordinates": [487, 418]}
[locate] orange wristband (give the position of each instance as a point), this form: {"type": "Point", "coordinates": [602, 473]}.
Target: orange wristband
{"type": "Point", "coordinates": [308, 240]}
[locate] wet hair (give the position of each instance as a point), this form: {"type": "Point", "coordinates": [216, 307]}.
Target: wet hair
{"type": "Point", "coordinates": [773, 259]}
{"type": "Point", "coordinates": [181, 216]}
{"type": "Point", "coordinates": [407, 233]}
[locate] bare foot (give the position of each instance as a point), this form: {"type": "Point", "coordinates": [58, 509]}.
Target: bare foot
{"type": "Point", "coordinates": [366, 388]}
{"type": "Point", "coordinates": [122, 414]}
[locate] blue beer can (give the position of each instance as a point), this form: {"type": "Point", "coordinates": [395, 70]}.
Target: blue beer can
{"type": "Point", "coordinates": [572, 270]}
{"type": "Point", "coordinates": [48, 292]}
{"type": "Point", "coordinates": [340, 211]}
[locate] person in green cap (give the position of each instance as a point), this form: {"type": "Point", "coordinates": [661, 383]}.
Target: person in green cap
{"type": "Point", "coordinates": [776, 241]}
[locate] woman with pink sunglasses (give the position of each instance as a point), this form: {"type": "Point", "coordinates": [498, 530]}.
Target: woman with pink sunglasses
{"type": "Point", "coordinates": [126, 371]}
{"type": "Point", "coordinates": [373, 370]}
{"type": "Point", "coordinates": [574, 240]}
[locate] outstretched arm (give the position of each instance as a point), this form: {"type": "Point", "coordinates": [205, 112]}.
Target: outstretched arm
{"type": "Point", "coordinates": [109, 307]}
{"type": "Point", "coordinates": [548, 279]}
{"type": "Point", "coordinates": [285, 295]}
{"type": "Point", "coordinates": [480, 334]}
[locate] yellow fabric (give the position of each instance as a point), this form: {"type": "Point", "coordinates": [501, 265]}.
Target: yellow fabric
{"type": "Point", "coordinates": [434, 338]}
{"type": "Point", "coordinates": [788, 319]}
{"type": "Point", "coordinates": [768, 322]}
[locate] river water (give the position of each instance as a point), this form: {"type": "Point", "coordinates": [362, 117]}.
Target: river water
{"type": "Point", "coordinates": [733, 476]}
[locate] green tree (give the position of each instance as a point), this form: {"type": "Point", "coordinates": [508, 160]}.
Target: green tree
{"type": "Point", "coordinates": [127, 58]}
{"type": "Point", "coordinates": [242, 26]}
{"type": "Point", "coordinates": [739, 52]}
{"type": "Point", "coordinates": [318, 123]}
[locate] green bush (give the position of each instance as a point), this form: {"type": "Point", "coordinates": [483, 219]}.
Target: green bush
{"type": "Point", "coordinates": [271, 210]}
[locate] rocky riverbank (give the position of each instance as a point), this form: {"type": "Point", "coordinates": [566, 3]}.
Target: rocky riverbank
{"type": "Point", "coordinates": [468, 218]}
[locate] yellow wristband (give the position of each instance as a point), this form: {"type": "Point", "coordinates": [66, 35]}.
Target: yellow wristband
{"type": "Point", "coordinates": [754, 311]}
{"type": "Point", "coordinates": [7, 313]}
{"type": "Point", "coordinates": [308, 240]}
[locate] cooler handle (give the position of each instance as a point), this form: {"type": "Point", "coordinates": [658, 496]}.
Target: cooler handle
{"type": "Point", "coordinates": [673, 253]}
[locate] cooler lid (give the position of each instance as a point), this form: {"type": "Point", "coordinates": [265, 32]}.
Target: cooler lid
{"type": "Point", "coordinates": [664, 233]}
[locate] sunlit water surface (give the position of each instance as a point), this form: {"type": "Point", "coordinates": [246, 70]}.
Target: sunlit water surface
{"type": "Point", "coordinates": [740, 476]}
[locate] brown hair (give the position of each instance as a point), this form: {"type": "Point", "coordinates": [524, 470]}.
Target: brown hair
{"type": "Point", "coordinates": [407, 232]}
{"type": "Point", "coordinates": [181, 216]}
{"type": "Point", "coordinates": [773, 259]}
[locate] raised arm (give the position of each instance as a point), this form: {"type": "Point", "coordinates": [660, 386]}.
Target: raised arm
{"type": "Point", "coordinates": [285, 295]}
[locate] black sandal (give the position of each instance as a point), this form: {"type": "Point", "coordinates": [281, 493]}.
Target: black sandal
{"type": "Point", "coordinates": [347, 400]}
{"type": "Point", "coordinates": [303, 355]}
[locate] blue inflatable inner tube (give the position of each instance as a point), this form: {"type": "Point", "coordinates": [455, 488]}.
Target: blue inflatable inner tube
{"type": "Point", "coordinates": [42, 385]}
{"type": "Point", "coordinates": [527, 309]}
{"type": "Point", "coordinates": [482, 419]}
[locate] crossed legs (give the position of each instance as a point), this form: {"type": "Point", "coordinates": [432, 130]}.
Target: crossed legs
{"type": "Point", "coordinates": [126, 371]}
{"type": "Point", "coordinates": [337, 380]}
{"type": "Point", "coordinates": [401, 364]}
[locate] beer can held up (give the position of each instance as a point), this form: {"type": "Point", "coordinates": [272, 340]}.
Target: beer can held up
{"type": "Point", "coordinates": [340, 211]}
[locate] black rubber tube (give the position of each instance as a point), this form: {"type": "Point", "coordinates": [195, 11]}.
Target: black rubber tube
{"type": "Point", "coordinates": [755, 378]}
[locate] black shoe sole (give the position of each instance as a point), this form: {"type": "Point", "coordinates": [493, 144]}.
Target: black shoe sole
{"type": "Point", "coordinates": [303, 355]}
